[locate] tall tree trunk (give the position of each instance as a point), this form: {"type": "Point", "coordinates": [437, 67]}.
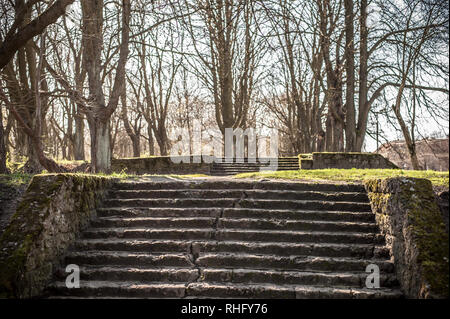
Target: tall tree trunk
{"type": "Point", "coordinates": [328, 145]}
{"type": "Point", "coordinates": [363, 85]}
{"type": "Point", "coordinates": [350, 125]}
{"type": "Point", "coordinates": [3, 168]}
{"type": "Point", "coordinates": [130, 131]}
{"type": "Point", "coordinates": [151, 141]}
{"type": "Point", "coordinates": [162, 143]}
{"type": "Point", "coordinates": [100, 144]}
{"type": "Point", "coordinates": [33, 165]}
{"type": "Point", "coordinates": [136, 147]}
{"type": "Point", "coordinates": [100, 114]}
{"type": "Point", "coordinates": [78, 147]}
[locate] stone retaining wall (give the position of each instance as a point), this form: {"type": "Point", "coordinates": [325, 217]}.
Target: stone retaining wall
{"type": "Point", "coordinates": [349, 160]}
{"type": "Point", "coordinates": [324, 160]}
{"type": "Point", "coordinates": [408, 214]}
{"type": "Point", "coordinates": [54, 209]}
{"type": "Point", "coordinates": [158, 165]}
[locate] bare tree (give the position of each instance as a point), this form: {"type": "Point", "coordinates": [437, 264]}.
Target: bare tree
{"type": "Point", "coordinates": [98, 112]}
{"type": "Point", "coordinates": [21, 30]}
{"type": "Point", "coordinates": [133, 129]}
{"type": "Point", "coordinates": [409, 49]}
{"type": "Point", "coordinates": [225, 45]}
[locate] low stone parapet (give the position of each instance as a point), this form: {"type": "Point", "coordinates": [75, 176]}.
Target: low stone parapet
{"type": "Point", "coordinates": [160, 165]}
{"type": "Point", "coordinates": [342, 160]}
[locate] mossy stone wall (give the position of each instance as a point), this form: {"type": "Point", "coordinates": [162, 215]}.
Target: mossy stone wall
{"type": "Point", "coordinates": [54, 209]}
{"type": "Point", "coordinates": [325, 160]}
{"type": "Point", "coordinates": [159, 165]}
{"type": "Point", "coordinates": [408, 214]}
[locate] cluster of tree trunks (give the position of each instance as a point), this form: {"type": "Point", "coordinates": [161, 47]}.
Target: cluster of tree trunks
{"type": "Point", "coordinates": [320, 92]}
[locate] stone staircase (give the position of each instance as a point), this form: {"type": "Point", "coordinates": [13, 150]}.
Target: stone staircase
{"type": "Point", "coordinates": [244, 166]}
{"type": "Point", "coordinates": [229, 239]}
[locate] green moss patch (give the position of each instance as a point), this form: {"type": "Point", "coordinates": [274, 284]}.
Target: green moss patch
{"type": "Point", "coordinates": [407, 212]}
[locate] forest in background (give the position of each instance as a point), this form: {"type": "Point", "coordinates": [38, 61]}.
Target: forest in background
{"type": "Point", "coordinates": [89, 80]}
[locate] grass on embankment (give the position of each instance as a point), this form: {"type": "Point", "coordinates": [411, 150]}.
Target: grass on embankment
{"type": "Point", "coordinates": [351, 175]}
{"type": "Point", "coordinates": [15, 179]}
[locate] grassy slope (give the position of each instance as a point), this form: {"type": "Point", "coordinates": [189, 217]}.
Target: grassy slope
{"type": "Point", "coordinates": [15, 179]}
{"type": "Point", "coordinates": [351, 175]}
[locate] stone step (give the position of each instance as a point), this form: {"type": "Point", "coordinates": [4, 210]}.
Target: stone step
{"type": "Point", "coordinates": [279, 224]}
{"type": "Point", "coordinates": [240, 203]}
{"type": "Point", "coordinates": [133, 245]}
{"type": "Point", "coordinates": [196, 247]}
{"type": "Point", "coordinates": [269, 291]}
{"type": "Point", "coordinates": [227, 260]}
{"type": "Point", "coordinates": [156, 222]}
{"type": "Point", "coordinates": [135, 273]}
{"type": "Point", "coordinates": [287, 277]}
{"type": "Point", "coordinates": [293, 262]}
{"type": "Point", "coordinates": [125, 212]}
{"type": "Point", "coordinates": [237, 169]}
{"type": "Point", "coordinates": [224, 275]}
{"type": "Point", "coordinates": [299, 214]}
{"type": "Point", "coordinates": [126, 258]}
{"type": "Point", "coordinates": [246, 160]}
{"type": "Point", "coordinates": [241, 168]}
{"type": "Point", "coordinates": [213, 173]}
{"type": "Point", "coordinates": [119, 289]}
{"type": "Point", "coordinates": [236, 235]}
{"type": "Point", "coordinates": [253, 169]}
{"type": "Point", "coordinates": [226, 223]}
{"type": "Point", "coordinates": [253, 193]}
{"type": "Point", "coordinates": [107, 289]}
{"type": "Point", "coordinates": [246, 164]}
{"type": "Point", "coordinates": [252, 166]}
{"type": "Point", "coordinates": [232, 164]}
{"type": "Point", "coordinates": [238, 184]}
{"type": "Point", "coordinates": [201, 290]}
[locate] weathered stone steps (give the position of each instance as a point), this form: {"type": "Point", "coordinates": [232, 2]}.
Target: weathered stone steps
{"type": "Point", "coordinates": [239, 184]}
{"type": "Point", "coordinates": [236, 213]}
{"type": "Point", "coordinates": [233, 223]}
{"type": "Point", "coordinates": [219, 290]}
{"type": "Point", "coordinates": [253, 194]}
{"type": "Point", "coordinates": [235, 275]}
{"type": "Point", "coordinates": [324, 279]}
{"type": "Point", "coordinates": [250, 164]}
{"type": "Point", "coordinates": [230, 239]}
{"type": "Point", "coordinates": [129, 258]}
{"type": "Point", "coordinates": [250, 169]}
{"type": "Point", "coordinates": [196, 247]}
{"type": "Point", "coordinates": [235, 235]}
{"type": "Point", "coordinates": [240, 203]}
{"type": "Point", "coordinates": [237, 166]}
{"type": "Point", "coordinates": [98, 288]}
{"type": "Point", "coordinates": [293, 262]}
{"type": "Point", "coordinates": [203, 290]}
{"type": "Point", "coordinates": [242, 168]}
{"type": "Point", "coordinates": [226, 260]}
